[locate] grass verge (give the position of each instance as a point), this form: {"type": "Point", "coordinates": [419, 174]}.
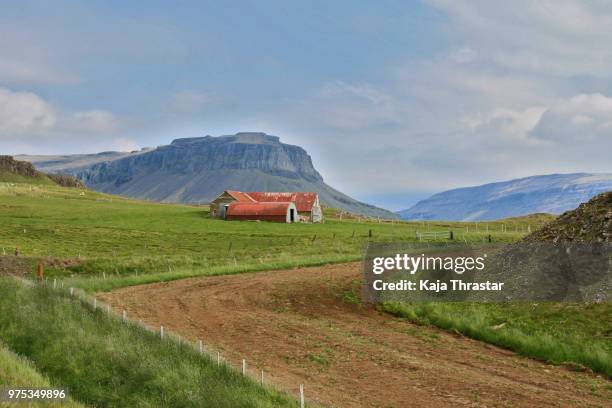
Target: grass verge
{"type": "Point", "coordinates": [99, 284]}
{"type": "Point", "coordinates": [107, 363]}
{"type": "Point", "coordinates": [18, 372]}
{"type": "Point", "coordinates": [579, 335]}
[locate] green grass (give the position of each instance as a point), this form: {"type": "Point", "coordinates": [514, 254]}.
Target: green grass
{"type": "Point", "coordinates": [97, 234]}
{"type": "Point", "coordinates": [18, 372]}
{"type": "Point", "coordinates": [39, 179]}
{"type": "Point", "coordinates": [580, 334]}
{"type": "Point", "coordinates": [107, 363]}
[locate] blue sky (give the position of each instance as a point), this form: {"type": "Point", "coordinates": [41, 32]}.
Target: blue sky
{"type": "Point", "coordinates": [394, 100]}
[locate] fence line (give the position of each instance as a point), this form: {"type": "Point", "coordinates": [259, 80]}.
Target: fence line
{"type": "Point", "coordinates": [95, 305]}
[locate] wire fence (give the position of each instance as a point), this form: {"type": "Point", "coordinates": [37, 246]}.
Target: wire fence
{"type": "Point", "coordinates": [199, 346]}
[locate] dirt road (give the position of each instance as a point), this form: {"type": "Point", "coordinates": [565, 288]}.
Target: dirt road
{"type": "Point", "coordinates": [301, 326]}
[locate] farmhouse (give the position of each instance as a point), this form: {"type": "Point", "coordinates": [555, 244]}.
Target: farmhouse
{"type": "Point", "coordinates": [268, 206]}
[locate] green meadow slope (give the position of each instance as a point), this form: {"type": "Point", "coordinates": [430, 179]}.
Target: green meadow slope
{"type": "Point", "coordinates": [101, 242]}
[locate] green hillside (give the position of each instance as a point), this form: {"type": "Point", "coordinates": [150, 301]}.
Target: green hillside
{"type": "Point", "coordinates": [14, 171]}
{"type": "Point", "coordinates": [111, 241]}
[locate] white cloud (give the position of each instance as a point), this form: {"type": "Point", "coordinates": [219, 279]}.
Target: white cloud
{"type": "Point", "coordinates": [506, 122]}
{"type": "Point", "coordinates": [25, 114]}
{"type": "Point", "coordinates": [558, 37]}
{"type": "Point", "coordinates": [580, 119]}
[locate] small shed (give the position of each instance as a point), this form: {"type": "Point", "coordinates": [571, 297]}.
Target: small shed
{"type": "Point", "coordinates": [307, 203]}
{"type": "Point", "coordinates": [219, 204]}
{"type": "Point", "coordinates": [263, 211]}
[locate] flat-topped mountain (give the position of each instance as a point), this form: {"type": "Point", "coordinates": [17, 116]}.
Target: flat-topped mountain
{"type": "Point", "coordinates": [196, 170]}
{"type": "Point", "coordinates": [553, 193]}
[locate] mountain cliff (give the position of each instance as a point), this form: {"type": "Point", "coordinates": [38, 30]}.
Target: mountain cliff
{"type": "Point", "coordinates": [196, 170]}
{"type": "Point", "coordinates": [554, 193]}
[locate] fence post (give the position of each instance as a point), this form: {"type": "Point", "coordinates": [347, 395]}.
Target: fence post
{"type": "Point", "coordinates": [124, 316]}
{"type": "Point", "coordinates": [261, 380]}
{"type": "Point", "coordinates": [95, 303]}
{"type": "Point", "coordinates": [161, 332]}
{"type": "Point", "coordinates": [243, 366]}
{"type": "Point", "coordinates": [301, 395]}
{"type": "Point", "coordinates": [200, 346]}
{"type": "Point", "coordinates": [218, 358]}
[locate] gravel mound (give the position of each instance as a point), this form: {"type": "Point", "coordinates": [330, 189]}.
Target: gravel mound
{"type": "Point", "coordinates": [590, 222]}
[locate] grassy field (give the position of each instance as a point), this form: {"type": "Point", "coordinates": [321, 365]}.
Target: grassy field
{"type": "Point", "coordinates": [107, 363]}
{"type": "Point", "coordinates": [116, 242]}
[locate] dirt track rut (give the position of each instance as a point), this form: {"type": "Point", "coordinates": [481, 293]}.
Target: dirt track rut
{"type": "Point", "coordinates": [298, 327]}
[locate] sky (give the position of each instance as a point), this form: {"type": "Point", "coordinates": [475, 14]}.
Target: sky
{"type": "Point", "coordinates": [394, 100]}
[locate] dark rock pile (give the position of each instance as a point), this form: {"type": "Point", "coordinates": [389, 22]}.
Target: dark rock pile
{"type": "Point", "coordinates": [590, 222]}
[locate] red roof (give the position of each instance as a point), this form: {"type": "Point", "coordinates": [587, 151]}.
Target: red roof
{"type": "Point", "coordinates": [257, 209]}
{"type": "Point", "coordinates": [240, 196]}
{"type": "Point", "coordinates": [303, 200]}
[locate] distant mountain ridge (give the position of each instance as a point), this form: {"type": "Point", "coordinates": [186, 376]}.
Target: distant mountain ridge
{"type": "Point", "coordinates": [553, 193]}
{"type": "Point", "coordinates": [194, 170]}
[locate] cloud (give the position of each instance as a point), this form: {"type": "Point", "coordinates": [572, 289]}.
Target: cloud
{"type": "Point", "coordinates": [506, 122]}
{"type": "Point", "coordinates": [549, 37]}
{"type": "Point", "coordinates": [584, 118]}
{"type": "Point", "coordinates": [25, 114]}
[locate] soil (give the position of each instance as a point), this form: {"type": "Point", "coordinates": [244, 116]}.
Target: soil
{"type": "Point", "coordinates": [305, 326]}
{"type": "Point", "coordinates": [14, 265]}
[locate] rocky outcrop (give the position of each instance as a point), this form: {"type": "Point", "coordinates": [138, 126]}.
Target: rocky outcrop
{"type": "Point", "coordinates": [590, 222]}
{"type": "Point", "coordinates": [66, 181]}
{"type": "Point", "coordinates": [20, 168]}
{"type": "Point", "coordinates": [243, 151]}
